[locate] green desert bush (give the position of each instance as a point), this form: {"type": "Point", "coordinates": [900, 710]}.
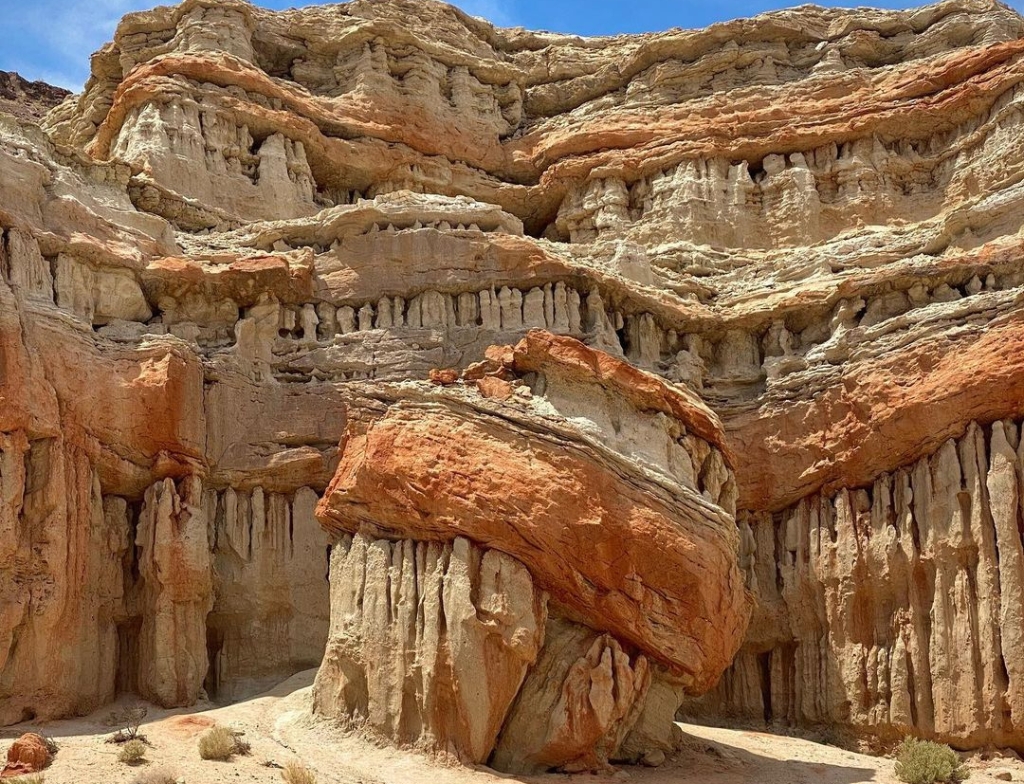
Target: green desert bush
{"type": "Point", "coordinates": [924, 762]}
{"type": "Point", "coordinates": [217, 743]}
{"type": "Point", "coordinates": [35, 778]}
{"type": "Point", "coordinates": [132, 752]}
{"type": "Point", "coordinates": [297, 773]}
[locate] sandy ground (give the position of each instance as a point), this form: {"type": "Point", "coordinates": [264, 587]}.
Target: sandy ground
{"type": "Point", "coordinates": [279, 728]}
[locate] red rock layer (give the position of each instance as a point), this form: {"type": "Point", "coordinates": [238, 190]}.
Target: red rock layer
{"type": "Point", "coordinates": [258, 230]}
{"type": "Point", "coordinates": [620, 552]}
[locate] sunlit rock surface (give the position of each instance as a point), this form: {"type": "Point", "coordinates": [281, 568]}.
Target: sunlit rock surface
{"type": "Point", "coordinates": [582, 351]}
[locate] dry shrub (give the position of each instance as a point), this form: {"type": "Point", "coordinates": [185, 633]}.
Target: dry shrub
{"type": "Point", "coordinates": [242, 746]}
{"type": "Point", "coordinates": [157, 776]}
{"type": "Point", "coordinates": [132, 752]}
{"type": "Point", "coordinates": [217, 743]}
{"type": "Point", "coordinates": [831, 735]}
{"type": "Point", "coordinates": [297, 773]}
{"type": "Point", "coordinates": [129, 719]}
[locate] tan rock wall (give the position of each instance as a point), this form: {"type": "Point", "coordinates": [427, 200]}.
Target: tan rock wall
{"type": "Point", "coordinates": [429, 643]}
{"type": "Point", "coordinates": [778, 261]}
{"type": "Point", "coordinates": [894, 608]}
{"type": "Point", "coordinates": [270, 612]}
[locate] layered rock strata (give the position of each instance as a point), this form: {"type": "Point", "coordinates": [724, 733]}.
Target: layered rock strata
{"type": "Point", "coordinates": [595, 492]}
{"type": "Point", "coordinates": [254, 235]}
{"type": "Point", "coordinates": [28, 100]}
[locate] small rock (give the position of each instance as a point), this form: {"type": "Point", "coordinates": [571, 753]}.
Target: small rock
{"type": "Point", "coordinates": [478, 370]}
{"type": "Point", "coordinates": [523, 392]}
{"type": "Point", "coordinates": [1001, 775]}
{"type": "Point", "coordinates": [654, 759]}
{"type": "Point", "coordinates": [495, 388]}
{"type": "Point", "coordinates": [445, 377]}
{"type": "Point", "coordinates": [28, 754]}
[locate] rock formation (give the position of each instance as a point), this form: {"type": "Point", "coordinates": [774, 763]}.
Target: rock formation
{"type": "Point", "coordinates": [28, 100]}
{"type": "Point", "coordinates": [574, 347]}
{"type": "Point", "coordinates": [28, 754]}
{"type": "Point", "coordinates": [597, 494]}
{"type": "Point", "coordinates": [892, 608]}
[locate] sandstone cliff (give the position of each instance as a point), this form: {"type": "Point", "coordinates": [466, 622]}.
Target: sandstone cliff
{"type": "Point", "coordinates": [774, 270]}
{"type": "Point", "coordinates": [28, 100]}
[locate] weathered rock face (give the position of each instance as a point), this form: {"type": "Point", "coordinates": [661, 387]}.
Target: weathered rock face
{"type": "Point", "coordinates": [579, 703]}
{"type": "Point", "coordinates": [229, 268]}
{"type": "Point", "coordinates": [894, 607]}
{"type": "Point", "coordinates": [109, 515]}
{"type": "Point", "coordinates": [577, 472]}
{"type": "Point", "coordinates": [28, 100]}
{"type": "Point", "coordinates": [429, 642]}
{"type": "Point", "coordinates": [269, 568]}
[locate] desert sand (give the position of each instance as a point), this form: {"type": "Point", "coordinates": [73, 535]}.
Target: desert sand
{"type": "Point", "coordinates": [280, 728]}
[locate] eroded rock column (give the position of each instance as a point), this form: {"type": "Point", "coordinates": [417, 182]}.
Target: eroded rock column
{"type": "Point", "coordinates": [429, 642]}
{"type": "Point", "coordinates": [177, 586]}
{"type": "Point", "coordinates": [892, 609]}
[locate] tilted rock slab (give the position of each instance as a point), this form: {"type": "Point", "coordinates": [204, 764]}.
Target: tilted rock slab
{"type": "Point", "coordinates": [617, 548]}
{"type": "Point", "coordinates": [623, 553]}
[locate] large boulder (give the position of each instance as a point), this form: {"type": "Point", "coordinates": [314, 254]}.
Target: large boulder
{"type": "Point", "coordinates": [626, 544]}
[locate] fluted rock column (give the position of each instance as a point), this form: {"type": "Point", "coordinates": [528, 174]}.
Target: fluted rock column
{"type": "Point", "coordinates": [177, 591]}
{"type": "Point", "coordinates": [429, 642]}
{"type": "Point", "coordinates": [895, 608]}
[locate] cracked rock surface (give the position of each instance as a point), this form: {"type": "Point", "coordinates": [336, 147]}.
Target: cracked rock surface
{"type": "Point", "coordinates": [602, 376]}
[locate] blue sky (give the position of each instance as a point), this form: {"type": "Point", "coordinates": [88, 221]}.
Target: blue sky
{"type": "Point", "coordinates": [52, 39]}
